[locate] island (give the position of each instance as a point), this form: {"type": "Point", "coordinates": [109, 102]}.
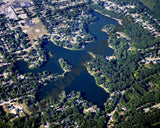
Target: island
{"type": "Point", "coordinates": [64, 65]}
{"type": "Point", "coordinates": [39, 38]}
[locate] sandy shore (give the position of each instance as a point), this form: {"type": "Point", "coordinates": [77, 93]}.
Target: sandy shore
{"type": "Point", "coordinates": [111, 47]}
{"type": "Point", "coordinates": [109, 37]}
{"type": "Point", "coordinates": [92, 74]}
{"type": "Point", "coordinates": [92, 54]}
{"type": "Point", "coordinates": [123, 35]}
{"type": "Point", "coordinates": [119, 21]}
{"type": "Point", "coordinates": [105, 31]}
{"type": "Point", "coordinates": [104, 88]}
{"type": "Point", "coordinates": [72, 48]}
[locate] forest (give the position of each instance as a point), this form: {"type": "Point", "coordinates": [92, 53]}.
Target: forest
{"type": "Point", "coordinates": [69, 109]}
{"type": "Point", "coordinates": [125, 72]}
{"type": "Point", "coordinates": [64, 65]}
{"type": "Point", "coordinates": [67, 24]}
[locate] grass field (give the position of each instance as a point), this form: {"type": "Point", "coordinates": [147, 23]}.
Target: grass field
{"type": "Point", "coordinates": [35, 31]}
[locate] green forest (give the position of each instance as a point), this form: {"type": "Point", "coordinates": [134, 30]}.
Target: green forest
{"type": "Point", "coordinates": [131, 75]}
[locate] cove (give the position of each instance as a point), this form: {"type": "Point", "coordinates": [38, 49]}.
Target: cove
{"type": "Point", "coordinates": [84, 83]}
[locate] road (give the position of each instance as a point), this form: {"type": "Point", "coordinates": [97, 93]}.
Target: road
{"type": "Point", "coordinates": [154, 106]}
{"type": "Point", "coordinates": [112, 113]}
{"type": "Point", "coordinates": [9, 101]}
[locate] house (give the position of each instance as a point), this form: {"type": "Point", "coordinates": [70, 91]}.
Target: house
{"type": "Point", "coordinates": [10, 13]}
{"type": "Point", "coordinates": [107, 58]}
{"type": "Point", "coordinates": [11, 107]}
{"type": "Point", "coordinates": [143, 60]}
{"type": "Point", "coordinates": [29, 22]}
{"type": "Point", "coordinates": [23, 16]}
{"type": "Point", "coordinates": [97, 71]}
{"type": "Point", "coordinates": [21, 109]}
{"type": "Point", "coordinates": [14, 111]}
{"type": "Point", "coordinates": [27, 4]}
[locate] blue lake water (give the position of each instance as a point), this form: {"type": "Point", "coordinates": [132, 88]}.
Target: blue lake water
{"type": "Point", "coordinates": [84, 82]}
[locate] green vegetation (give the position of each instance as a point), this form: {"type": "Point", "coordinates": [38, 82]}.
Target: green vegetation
{"type": "Point", "coordinates": [64, 65]}
{"type": "Point", "coordinates": [154, 6]}
{"type": "Point", "coordinates": [147, 3]}
{"type": "Point", "coordinates": [125, 2]}
{"type": "Point", "coordinates": [2, 22]}
{"type": "Point", "coordinates": [138, 119]}
{"type": "Point", "coordinates": [140, 38]}
{"type": "Point", "coordinates": [66, 25]}
{"type": "Point", "coordinates": [126, 72]}
{"type": "Point", "coordinates": [118, 73]}
{"type": "Point", "coordinates": [68, 110]}
{"type": "Point", "coordinates": [4, 118]}
{"type": "Point", "coordinates": [109, 28]}
{"type": "Point", "coordinates": [25, 122]}
{"type": "Point", "coordinates": [134, 85]}
{"type": "Point", "coordinates": [111, 103]}
{"type": "Point", "coordinates": [28, 13]}
{"type": "Point", "coordinates": [106, 12]}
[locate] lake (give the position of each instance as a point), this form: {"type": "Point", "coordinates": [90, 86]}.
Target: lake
{"type": "Point", "coordinates": [84, 82]}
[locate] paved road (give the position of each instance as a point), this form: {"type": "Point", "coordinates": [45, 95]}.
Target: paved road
{"type": "Point", "coordinates": [112, 113]}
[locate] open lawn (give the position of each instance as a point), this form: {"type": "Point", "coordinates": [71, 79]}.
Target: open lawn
{"type": "Point", "coordinates": [35, 31]}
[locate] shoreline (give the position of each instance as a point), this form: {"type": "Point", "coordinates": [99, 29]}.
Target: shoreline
{"type": "Point", "coordinates": [72, 48]}
{"type": "Point", "coordinates": [119, 21]}
{"type": "Point", "coordinates": [101, 86]}
{"type": "Point", "coordinates": [103, 30]}
{"type": "Point", "coordinates": [122, 34]}
{"type": "Point", "coordinates": [92, 54]}
{"type": "Point", "coordinates": [65, 71]}
{"type": "Point", "coordinates": [104, 88]}
{"type": "Point", "coordinates": [67, 47]}
{"type": "Point", "coordinates": [83, 46]}
{"type": "Point", "coordinates": [110, 46]}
